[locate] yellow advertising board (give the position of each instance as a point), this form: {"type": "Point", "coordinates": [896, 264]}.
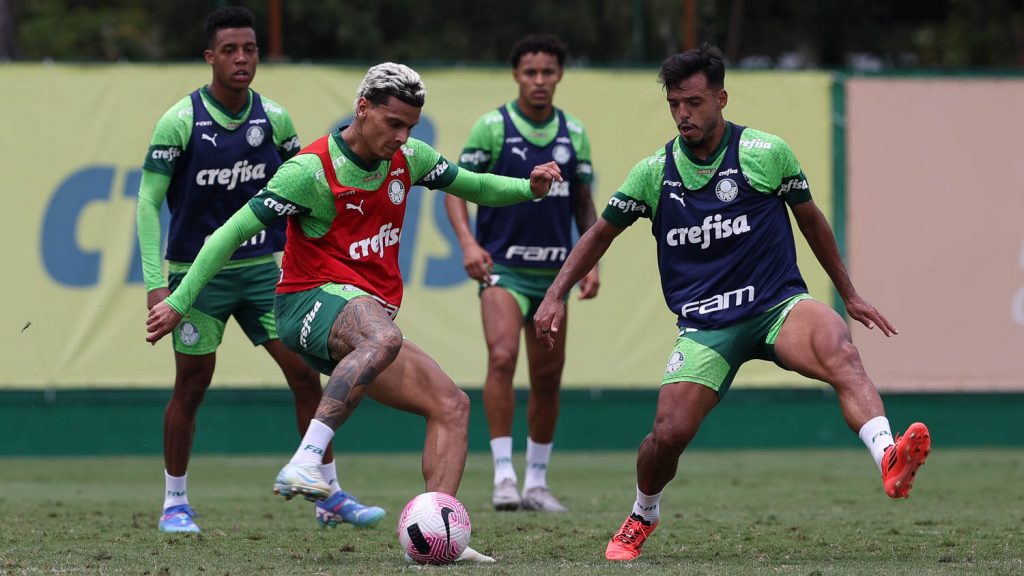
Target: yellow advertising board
{"type": "Point", "coordinates": [74, 309]}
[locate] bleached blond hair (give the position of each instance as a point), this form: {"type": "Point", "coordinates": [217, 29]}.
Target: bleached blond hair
{"type": "Point", "coordinates": [391, 79]}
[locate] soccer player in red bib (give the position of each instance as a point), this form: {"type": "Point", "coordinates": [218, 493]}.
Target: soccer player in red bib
{"type": "Point", "coordinates": [345, 197]}
{"type": "Point", "coordinates": [210, 154]}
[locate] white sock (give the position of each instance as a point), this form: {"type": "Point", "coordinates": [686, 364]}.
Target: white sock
{"type": "Point", "coordinates": [875, 434]}
{"type": "Point", "coordinates": [314, 443]}
{"type": "Point", "coordinates": [647, 507]}
{"type": "Point", "coordinates": [537, 458]}
{"type": "Point", "coordinates": [330, 473]}
{"type": "Point", "coordinates": [175, 492]}
{"type": "Point", "coordinates": [501, 454]}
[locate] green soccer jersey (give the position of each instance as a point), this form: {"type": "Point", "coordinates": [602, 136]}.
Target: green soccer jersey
{"type": "Point", "coordinates": [766, 160]}
{"type": "Point", "coordinates": [487, 138]}
{"type": "Point", "coordinates": [174, 130]}
{"type": "Point", "coordinates": [170, 138]}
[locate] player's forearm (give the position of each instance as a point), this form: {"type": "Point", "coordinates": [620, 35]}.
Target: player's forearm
{"type": "Point", "coordinates": [490, 189]}
{"type": "Point", "coordinates": [213, 256]}
{"type": "Point", "coordinates": [583, 257]}
{"type": "Point", "coordinates": [584, 211]}
{"type": "Point", "coordinates": [152, 191]}
{"type": "Point", "coordinates": [458, 215]}
{"type": "Point", "coordinates": [822, 241]}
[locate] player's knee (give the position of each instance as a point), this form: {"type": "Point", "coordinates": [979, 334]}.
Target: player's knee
{"type": "Point", "coordinates": [545, 387]}
{"type": "Point", "coordinates": [454, 406]}
{"type": "Point", "coordinates": [388, 342]}
{"type": "Point", "coordinates": [187, 399]}
{"type": "Point", "coordinates": [306, 386]}
{"type": "Point", "coordinates": [673, 435]}
{"type": "Point", "coordinates": [845, 358]}
{"type": "Point", "coordinates": [502, 359]}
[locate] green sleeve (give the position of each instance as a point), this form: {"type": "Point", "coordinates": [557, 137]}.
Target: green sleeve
{"type": "Point", "coordinates": [772, 168]}
{"type": "Point", "coordinates": [581, 143]}
{"type": "Point", "coordinates": [170, 138]}
{"type": "Point", "coordinates": [489, 189]}
{"type": "Point", "coordinates": [215, 253]}
{"type": "Point", "coordinates": [428, 168]}
{"type": "Point", "coordinates": [639, 194]}
{"type": "Point", "coordinates": [484, 143]}
{"type": "Point", "coordinates": [285, 137]}
{"type": "Point", "coordinates": [152, 192]}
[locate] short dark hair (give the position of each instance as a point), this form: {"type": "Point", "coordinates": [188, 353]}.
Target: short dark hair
{"type": "Point", "coordinates": [707, 60]}
{"type": "Point", "coordinates": [228, 17]}
{"type": "Point", "coordinates": [546, 43]}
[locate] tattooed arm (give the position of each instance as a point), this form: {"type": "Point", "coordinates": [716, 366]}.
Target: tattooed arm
{"type": "Point", "coordinates": [365, 341]}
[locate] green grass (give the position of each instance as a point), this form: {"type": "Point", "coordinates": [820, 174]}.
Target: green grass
{"type": "Point", "coordinates": [727, 513]}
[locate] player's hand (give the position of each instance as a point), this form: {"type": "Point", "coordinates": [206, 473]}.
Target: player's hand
{"type": "Point", "coordinates": [162, 319]}
{"type": "Point", "coordinates": [865, 313]}
{"type": "Point", "coordinates": [541, 178]}
{"type": "Point", "coordinates": [548, 320]}
{"type": "Point", "coordinates": [478, 263]}
{"type": "Point", "coordinates": [589, 284]}
{"type": "Point", "coordinates": [156, 296]}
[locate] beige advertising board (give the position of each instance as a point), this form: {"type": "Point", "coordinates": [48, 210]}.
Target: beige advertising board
{"type": "Point", "coordinates": [936, 229]}
{"type": "Point", "coordinates": [75, 305]}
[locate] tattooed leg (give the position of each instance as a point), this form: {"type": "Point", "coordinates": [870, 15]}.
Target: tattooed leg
{"type": "Point", "coordinates": [366, 341]}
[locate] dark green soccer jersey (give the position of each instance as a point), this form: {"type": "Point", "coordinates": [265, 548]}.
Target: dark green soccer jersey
{"type": "Point", "coordinates": [170, 138]}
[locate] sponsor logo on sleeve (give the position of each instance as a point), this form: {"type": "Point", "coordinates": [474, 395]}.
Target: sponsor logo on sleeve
{"type": "Point", "coordinates": [434, 173]}
{"type": "Point", "coordinates": [281, 208]}
{"type": "Point", "coordinates": [475, 158]}
{"type": "Point", "coordinates": [291, 143]}
{"type": "Point", "coordinates": [627, 206]}
{"type": "Point", "coordinates": [167, 154]}
{"type": "Point", "coordinates": [793, 184]}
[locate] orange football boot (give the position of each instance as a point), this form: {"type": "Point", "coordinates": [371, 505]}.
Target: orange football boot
{"type": "Point", "coordinates": [902, 459]}
{"type": "Point", "coordinates": [628, 541]}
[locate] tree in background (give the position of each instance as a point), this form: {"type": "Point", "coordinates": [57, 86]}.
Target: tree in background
{"type": "Point", "coordinates": [763, 33]}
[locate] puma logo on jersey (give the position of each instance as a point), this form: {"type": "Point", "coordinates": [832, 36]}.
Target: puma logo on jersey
{"type": "Point", "coordinates": [212, 139]}
{"type": "Point", "coordinates": [357, 208]}
{"type": "Point", "coordinates": [673, 196]}
{"type": "Point", "coordinates": [521, 152]}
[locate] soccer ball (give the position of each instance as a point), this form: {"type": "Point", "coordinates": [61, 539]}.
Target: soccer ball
{"type": "Point", "coordinates": [434, 528]}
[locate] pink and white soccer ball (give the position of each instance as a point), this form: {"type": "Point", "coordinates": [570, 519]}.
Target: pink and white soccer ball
{"type": "Point", "coordinates": [434, 528]}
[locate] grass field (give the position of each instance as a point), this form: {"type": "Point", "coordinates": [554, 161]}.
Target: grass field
{"type": "Point", "coordinates": [769, 512]}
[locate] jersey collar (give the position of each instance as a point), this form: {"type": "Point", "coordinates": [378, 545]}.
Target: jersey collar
{"type": "Point", "coordinates": [242, 114]}
{"type": "Point", "coordinates": [713, 157]}
{"type": "Point", "coordinates": [352, 156]}
{"type": "Point", "coordinates": [514, 107]}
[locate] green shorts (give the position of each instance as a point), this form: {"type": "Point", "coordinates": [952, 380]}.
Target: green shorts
{"type": "Point", "coordinates": [712, 357]}
{"type": "Point", "coordinates": [304, 320]}
{"type": "Point", "coordinates": [246, 292]}
{"type": "Point", "coordinates": [526, 285]}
